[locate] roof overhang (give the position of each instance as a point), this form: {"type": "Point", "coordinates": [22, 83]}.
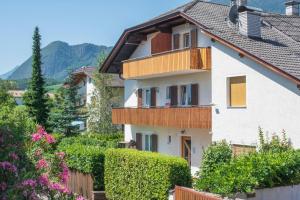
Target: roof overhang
{"type": "Point", "coordinates": [110, 67]}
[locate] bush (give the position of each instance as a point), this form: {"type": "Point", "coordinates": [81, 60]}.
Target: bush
{"type": "Point", "coordinates": [257, 170]}
{"type": "Point", "coordinates": [86, 159]}
{"type": "Point", "coordinates": [100, 140]}
{"type": "Point", "coordinates": [216, 154]}
{"type": "Point", "coordinates": [137, 175]}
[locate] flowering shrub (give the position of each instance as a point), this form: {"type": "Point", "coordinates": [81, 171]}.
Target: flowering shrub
{"type": "Point", "coordinates": [30, 169]}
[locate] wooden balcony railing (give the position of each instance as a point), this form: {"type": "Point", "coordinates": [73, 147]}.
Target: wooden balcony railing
{"type": "Point", "coordinates": [179, 117]}
{"type": "Point", "coordinates": [184, 60]}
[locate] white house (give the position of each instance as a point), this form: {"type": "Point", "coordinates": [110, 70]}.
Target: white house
{"type": "Point", "coordinates": [205, 72]}
{"type": "Point", "coordinates": [85, 88]}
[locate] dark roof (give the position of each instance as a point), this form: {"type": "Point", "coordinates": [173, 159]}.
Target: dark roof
{"type": "Point", "coordinates": [279, 46]}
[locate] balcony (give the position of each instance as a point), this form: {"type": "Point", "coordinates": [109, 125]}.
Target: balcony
{"type": "Point", "coordinates": [168, 63]}
{"type": "Point", "coordinates": [179, 117]}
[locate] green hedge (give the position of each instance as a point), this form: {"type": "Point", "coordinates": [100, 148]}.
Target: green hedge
{"type": "Point", "coordinates": [86, 159]}
{"type": "Point", "coordinates": [137, 175]}
{"type": "Point", "coordinates": [246, 173]}
{"type": "Point", "coordinates": [100, 140]}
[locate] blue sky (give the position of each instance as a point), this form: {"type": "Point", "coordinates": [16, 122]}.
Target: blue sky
{"type": "Point", "coordinates": [72, 21]}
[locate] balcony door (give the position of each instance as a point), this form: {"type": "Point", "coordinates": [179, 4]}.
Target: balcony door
{"type": "Point", "coordinates": [186, 146]}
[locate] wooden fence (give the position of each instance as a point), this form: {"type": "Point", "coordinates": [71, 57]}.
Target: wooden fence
{"type": "Point", "coordinates": [82, 184]}
{"type": "Point", "coordinates": [182, 193]}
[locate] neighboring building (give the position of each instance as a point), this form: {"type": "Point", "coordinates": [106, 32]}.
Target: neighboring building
{"type": "Point", "coordinates": [17, 95]}
{"type": "Point", "coordinates": [205, 72]}
{"type": "Point", "coordinates": [84, 82]}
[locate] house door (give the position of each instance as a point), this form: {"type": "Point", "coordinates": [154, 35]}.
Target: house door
{"type": "Point", "coordinates": [186, 148]}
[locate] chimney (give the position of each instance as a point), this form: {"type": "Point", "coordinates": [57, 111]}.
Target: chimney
{"type": "Point", "coordinates": [241, 2]}
{"type": "Point", "coordinates": [249, 22]}
{"type": "Point", "coordinates": [292, 7]}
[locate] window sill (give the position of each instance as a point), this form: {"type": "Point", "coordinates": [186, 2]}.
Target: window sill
{"type": "Point", "coordinates": [236, 107]}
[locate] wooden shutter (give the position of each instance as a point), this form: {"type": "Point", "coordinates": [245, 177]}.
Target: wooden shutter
{"type": "Point", "coordinates": [161, 42]}
{"type": "Point", "coordinates": [154, 140]}
{"type": "Point", "coordinates": [174, 95]}
{"type": "Point", "coordinates": [153, 97]}
{"type": "Point", "coordinates": [176, 41]}
{"type": "Point", "coordinates": [194, 38]}
{"type": "Point", "coordinates": [237, 91]}
{"type": "Point", "coordinates": [140, 98]}
{"type": "Point", "coordinates": [195, 93]}
{"type": "Point", "coordinates": [139, 141]}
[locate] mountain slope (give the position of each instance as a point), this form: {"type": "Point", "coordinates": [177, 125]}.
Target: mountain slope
{"type": "Point", "coordinates": [7, 74]}
{"type": "Point", "coordinates": [267, 5]}
{"type": "Point", "coordinates": [58, 57]}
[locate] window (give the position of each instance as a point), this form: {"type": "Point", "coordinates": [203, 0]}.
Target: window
{"type": "Point", "coordinates": [185, 95]}
{"type": "Point", "coordinates": [168, 96]}
{"type": "Point", "coordinates": [151, 141]}
{"type": "Point", "coordinates": [186, 40]}
{"type": "Point", "coordinates": [237, 91]}
{"type": "Point", "coordinates": [176, 41]}
{"type": "Point", "coordinates": [148, 143]}
{"type": "Point", "coordinates": [147, 97]}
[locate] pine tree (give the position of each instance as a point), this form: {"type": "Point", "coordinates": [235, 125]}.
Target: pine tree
{"type": "Point", "coordinates": [35, 98]}
{"type": "Point", "coordinates": [64, 110]}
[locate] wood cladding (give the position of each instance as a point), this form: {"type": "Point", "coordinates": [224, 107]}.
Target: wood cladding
{"type": "Point", "coordinates": [161, 42]}
{"type": "Point", "coordinates": [185, 117]}
{"type": "Point", "coordinates": [182, 193]}
{"type": "Point", "coordinates": [168, 62]}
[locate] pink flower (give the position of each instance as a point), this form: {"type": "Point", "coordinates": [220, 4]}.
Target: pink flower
{"type": "Point", "coordinates": [49, 138]}
{"type": "Point", "coordinates": [64, 175]}
{"type": "Point", "coordinates": [3, 186]}
{"type": "Point", "coordinates": [59, 187]}
{"type": "Point", "coordinates": [79, 198]}
{"type": "Point", "coordinates": [13, 155]}
{"type": "Point", "coordinates": [43, 179]}
{"type": "Point", "coordinates": [41, 130]}
{"type": "Point", "coordinates": [29, 182]}
{"type": "Point", "coordinates": [8, 166]}
{"type": "Point", "coordinates": [41, 164]}
{"type": "Point", "coordinates": [36, 137]}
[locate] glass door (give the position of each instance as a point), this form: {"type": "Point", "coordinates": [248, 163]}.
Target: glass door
{"type": "Point", "coordinates": [186, 145]}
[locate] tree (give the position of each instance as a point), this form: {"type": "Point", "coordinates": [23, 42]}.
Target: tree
{"type": "Point", "coordinates": [64, 111]}
{"type": "Point", "coordinates": [5, 98]}
{"type": "Point", "coordinates": [99, 110]}
{"type": "Point", "coordinates": [35, 98]}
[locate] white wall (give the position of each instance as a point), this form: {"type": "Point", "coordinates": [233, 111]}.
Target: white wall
{"type": "Point", "coordinates": [272, 101]}
{"type": "Point", "coordinates": [202, 78]}
{"type": "Point", "coordinates": [200, 139]}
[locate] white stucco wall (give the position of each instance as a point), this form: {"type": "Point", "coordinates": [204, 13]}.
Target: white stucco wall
{"type": "Point", "coordinates": [273, 102]}
{"type": "Point", "coordinates": [200, 139]}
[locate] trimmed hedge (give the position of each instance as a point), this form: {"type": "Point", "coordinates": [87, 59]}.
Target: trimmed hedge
{"type": "Point", "coordinates": [137, 175]}
{"type": "Point", "coordinates": [101, 140]}
{"type": "Point", "coordinates": [86, 159]}
{"type": "Point", "coordinates": [246, 173]}
{"type": "Point", "coordinates": [86, 154]}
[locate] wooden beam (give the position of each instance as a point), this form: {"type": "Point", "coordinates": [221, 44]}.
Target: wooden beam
{"type": "Point", "coordinates": [161, 29]}
{"type": "Point", "coordinates": [136, 38]}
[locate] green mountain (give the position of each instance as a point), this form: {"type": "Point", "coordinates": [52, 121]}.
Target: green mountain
{"type": "Point", "coordinates": [276, 6]}
{"type": "Point", "coordinates": [58, 57]}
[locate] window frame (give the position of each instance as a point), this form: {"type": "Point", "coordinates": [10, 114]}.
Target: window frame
{"type": "Point", "coordinates": [186, 40]}
{"type": "Point", "coordinates": [147, 142]}
{"type": "Point", "coordinates": [188, 95]}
